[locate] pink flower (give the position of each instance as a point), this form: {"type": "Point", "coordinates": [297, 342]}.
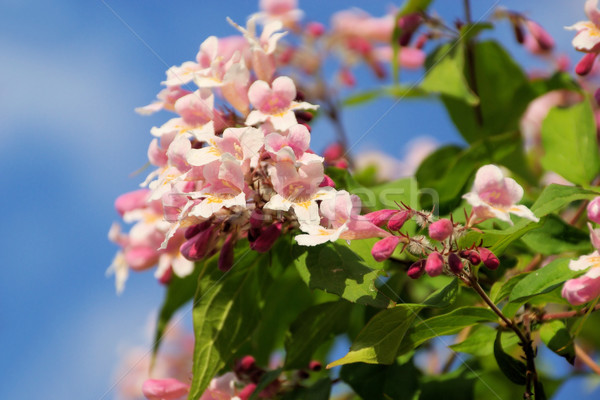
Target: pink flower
{"type": "Point", "coordinates": [587, 38]}
{"type": "Point", "coordinates": [356, 22]}
{"type": "Point", "coordinates": [494, 196]}
{"type": "Point", "coordinates": [164, 389]}
{"type": "Point", "coordinates": [340, 220]}
{"type": "Point", "coordinates": [275, 103]}
{"type": "Point", "coordinates": [583, 289]}
{"type": "Point", "coordinates": [408, 57]}
{"type": "Point", "coordinates": [289, 146]}
{"type": "Point", "coordinates": [593, 210]}
{"type": "Point", "coordinates": [285, 11]}
{"type": "Point", "coordinates": [166, 100]}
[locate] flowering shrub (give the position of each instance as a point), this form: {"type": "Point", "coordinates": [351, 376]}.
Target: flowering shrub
{"type": "Point", "coordinates": [282, 249]}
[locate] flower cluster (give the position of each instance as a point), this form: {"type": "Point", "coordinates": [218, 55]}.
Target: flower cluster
{"type": "Point", "coordinates": [492, 196]}
{"type": "Point", "coordinates": [235, 161]}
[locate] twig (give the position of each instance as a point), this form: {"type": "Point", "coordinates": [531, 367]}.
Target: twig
{"type": "Point", "coordinates": [566, 314]}
{"type": "Point", "coordinates": [586, 359]}
{"type": "Point", "coordinates": [534, 263]}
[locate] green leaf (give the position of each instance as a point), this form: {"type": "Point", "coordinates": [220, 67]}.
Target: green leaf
{"type": "Point", "coordinates": [470, 31]}
{"type": "Point", "coordinates": [502, 289]}
{"type": "Point", "coordinates": [504, 94]}
{"type": "Point", "coordinates": [379, 340]}
{"type": "Point", "coordinates": [543, 280]}
{"type": "Point", "coordinates": [226, 310]}
{"type": "Point", "coordinates": [570, 143]}
{"type": "Point", "coordinates": [443, 297]}
{"type": "Point", "coordinates": [554, 197]}
{"type": "Point", "coordinates": [318, 391]}
{"type": "Point", "coordinates": [480, 341]}
{"type": "Point", "coordinates": [445, 74]}
{"type": "Point", "coordinates": [388, 194]}
{"type": "Point", "coordinates": [512, 369]}
{"type": "Point", "coordinates": [382, 382]}
{"type": "Point", "coordinates": [287, 297]}
{"type": "Point", "coordinates": [558, 339]}
{"type": "Point", "coordinates": [179, 292]}
{"type": "Point", "coordinates": [336, 269]}
{"type": "Point", "coordinates": [445, 324]}
{"type": "Point", "coordinates": [313, 327]}
{"type": "Point", "coordinates": [556, 236]}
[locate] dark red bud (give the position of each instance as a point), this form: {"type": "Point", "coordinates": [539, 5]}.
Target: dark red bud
{"type": "Point", "coordinates": [197, 247]}
{"type": "Point", "coordinates": [584, 66]}
{"type": "Point", "coordinates": [416, 269]}
{"type": "Point", "coordinates": [488, 258]}
{"type": "Point", "coordinates": [246, 392]}
{"type": "Point", "coordinates": [455, 263]}
{"type": "Point", "coordinates": [246, 364]}
{"type": "Point", "coordinates": [315, 365]}
{"type": "Point", "coordinates": [166, 276]}
{"type": "Point", "coordinates": [470, 255]}
{"type": "Point", "coordinates": [226, 255]}
{"type": "Point", "coordinates": [267, 238]}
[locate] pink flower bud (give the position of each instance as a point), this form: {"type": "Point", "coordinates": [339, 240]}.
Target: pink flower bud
{"type": "Point", "coordinates": [166, 277]}
{"type": "Point", "coordinates": [380, 217]}
{"type": "Point", "coordinates": [584, 66]}
{"type": "Point", "coordinates": [226, 254]}
{"type": "Point", "coordinates": [246, 392]}
{"type": "Point", "coordinates": [488, 258]}
{"type": "Point", "coordinates": [441, 229]}
{"type": "Point", "coordinates": [593, 210]}
{"type": "Point", "coordinates": [315, 29]}
{"type": "Point", "coordinates": [435, 264]}
{"type": "Point", "coordinates": [455, 263]}
{"type": "Point", "coordinates": [581, 290]}
{"type": "Point", "coordinates": [267, 238]}
{"type": "Point", "coordinates": [416, 269]}
{"type": "Point", "coordinates": [164, 389]}
{"type": "Point", "coordinates": [383, 249]}
{"type": "Point", "coordinates": [471, 255]}
{"type": "Point", "coordinates": [347, 77]}
{"type": "Point", "coordinates": [397, 220]}
{"type": "Point", "coordinates": [246, 365]}
{"type": "Point", "coordinates": [303, 116]}
{"type": "Point", "coordinates": [327, 181]}
{"type": "Point", "coordinates": [342, 164]}
{"type": "Point", "coordinates": [333, 152]}
{"type": "Point", "coordinates": [131, 201]}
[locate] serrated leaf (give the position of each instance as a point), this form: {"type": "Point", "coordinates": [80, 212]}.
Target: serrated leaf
{"type": "Point", "coordinates": [542, 280]}
{"type": "Point", "coordinates": [179, 292]}
{"type": "Point", "coordinates": [336, 269]}
{"type": "Point", "coordinates": [558, 339]}
{"type": "Point", "coordinates": [313, 327]}
{"type": "Point", "coordinates": [554, 197]}
{"type": "Point", "coordinates": [226, 310]}
{"type": "Point", "coordinates": [569, 134]}
{"type": "Point", "coordinates": [556, 236]}
{"type": "Point", "coordinates": [379, 340]}
{"type": "Point", "coordinates": [445, 74]}
{"type": "Point", "coordinates": [512, 369]}
{"type": "Point", "coordinates": [445, 324]}
{"type": "Point", "coordinates": [443, 297]}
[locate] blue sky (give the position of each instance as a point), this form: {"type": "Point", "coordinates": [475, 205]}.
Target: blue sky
{"type": "Point", "coordinates": [71, 74]}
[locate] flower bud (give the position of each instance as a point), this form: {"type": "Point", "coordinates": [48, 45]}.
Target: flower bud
{"type": "Point", "coordinates": [581, 290]}
{"type": "Point", "coordinates": [245, 366]}
{"type": "Point", "coordinates": [584, 66]}
{"type": "Point", "coordinates": [545, 41]}
{"type": "Point", "coordinates": [246, 392]}
{"type": "Point", "coordinates": [593, 210]}
{"type": "Point", "coordinates": [441, 229]}
{"type": "Point", "coordinates": [470, 255]}
{"type": "Point", "coordinates": [333, 152]}
{"type": "Point", "coordinates": [164, 389]}
{"type": "Point", "coordinates": [435, 264]}
{"type": "Point", "coordinates": [383, 249]}
{"type": "Point", "coordinates": [455, 263]}
{"type": "Point", "coordinates": [396, 221]}
{"type": "Point", "coordinates": [488, 258]}
{"type": "Point", "coordinates": [380, 217]}
{"type": "Point", "coordinates": [315, 29]}
{"type": "Point", "coordinates": [131, 201]}
{"type": "Point", "coordinates": [197, 247]}
{"type": "Point", "coordinates": [226, 254]}
{"type": "Point", "coordinates": [166, 277]}
{"type": "Point", "coordinates": [327, 181]}
{"type": "Point", "coordinates": [416, 269]}
{"type": "Point", "coordinates": [266, 238]}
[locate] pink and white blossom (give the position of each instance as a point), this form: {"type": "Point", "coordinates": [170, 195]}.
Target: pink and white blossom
{"type": "Point", "coordinates": [587, 38]}
{"type": "Point", "coordinates": [275, 103]}
{"type": "Point", "coordinates": [241, 143]}
{"type": "Point", "coordinates": [494, 196]}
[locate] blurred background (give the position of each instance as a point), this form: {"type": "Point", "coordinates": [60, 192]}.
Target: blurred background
{"type": "Point", "coordinates": [71, 74]}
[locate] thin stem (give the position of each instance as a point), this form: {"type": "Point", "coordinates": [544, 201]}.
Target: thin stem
{"type": "Point", "coordinates": [578, 213]}
{"type": "Point", "coordinates": [534, 263]}
{"type": "Point", "coordinates": [566, 314]}
{"type": "Point", "coordinates": [586, 359]}
{"type": "Point", "coordinates": [524, 338]}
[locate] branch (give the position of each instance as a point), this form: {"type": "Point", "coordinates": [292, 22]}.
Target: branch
{"type": "Point", "coordinates": [566, 314]}
{"type": "Point", "coordinates": [586, 359]}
